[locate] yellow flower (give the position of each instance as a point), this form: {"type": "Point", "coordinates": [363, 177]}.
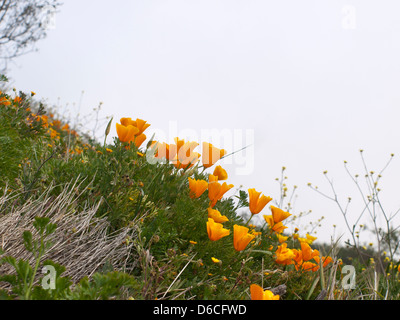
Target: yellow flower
{"type": "Point", "coordinates": [197, 187]}
{"type": "Point", "coordinates": [258, 293]}
{"type": "Point", "coordinates": [220, 173]}
{"type": "Point", "coordinates": [109, 150]}
{"type": "Point", "coordinates": [257, 203]}
{"type": "Point", "coordinates": [193, 242]}
{"type": "Point", "coordinates": [309, 239]}
{"type": "Point", "coordinates": [211, 154]}
{"type": "Point", "coordinates": [216, 216]}
{"type": "Point", "coordinates": [216, 231]}
{"type": "Point", "coordinates": [241, 237]}
{"type": "Point", "coordinates": [53, 133]}
{"type": "Point", "coordinates": [281, 238]}
{"type": "Point", "coordinates": [216, 261]}
{"type": "Point", "coordinates": [256, 233]}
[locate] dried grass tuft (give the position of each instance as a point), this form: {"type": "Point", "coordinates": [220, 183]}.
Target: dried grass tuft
{"type": "Point", "coordinates": [82, 242]}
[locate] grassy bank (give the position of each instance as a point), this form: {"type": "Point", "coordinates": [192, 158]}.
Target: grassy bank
{"type": "Point", "coordinates": [140, 219]}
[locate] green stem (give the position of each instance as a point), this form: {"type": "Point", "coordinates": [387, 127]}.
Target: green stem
{"type": "Point", "coordinates": [27, 293]}
{"type": "Point", "coordinates": [248, 221]}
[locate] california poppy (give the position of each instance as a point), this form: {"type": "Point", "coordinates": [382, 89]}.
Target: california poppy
{"type": "Point", "coordinates": [279, 215]}
{"type": "Point", "coordinates": [139, 139]}
{"type": "Point", "coordinates": [241, 237]}
{"type": "Point", "coordinates": [258, 293]}
{"type": "Point", "coordinates": [215, 190]}
{"type": "Point", "coordinates": [140, 124]}
{"type": "Point", "coordinates": [216, 216]}
{"type": "Point", "coordinates": [277, 227]}
{"type": "Point", "coordinates": [211, 154]}
{"type": "Point", "coordinates": [257, 203]}
{"type": "Point", "coordinates": [220, 173]}
{"type": "Point", "coordinates": [216, 231]}
{"type": "Point", "coordinates": [284, 255]}
{"type": "Point", "coordinates": [197, 187]}
{"type": "Point", "coordinates": [126, 133]}
{"type": "Point", "coordinates": [307, 252]}
{"type": "Point", "coordinates": [185, 157]}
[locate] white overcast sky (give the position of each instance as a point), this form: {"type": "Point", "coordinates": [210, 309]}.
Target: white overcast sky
{"type": "Point", "coordinates": [315, 81]}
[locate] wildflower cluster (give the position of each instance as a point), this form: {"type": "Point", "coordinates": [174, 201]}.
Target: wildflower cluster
{"type": "Point", "coordinates": [182, 155]}
{"type": "Point", "coordinates": [188, 239]}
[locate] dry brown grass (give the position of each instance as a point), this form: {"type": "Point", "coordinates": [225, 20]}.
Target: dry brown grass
{"type": "Point", "coordinates": [81, 243]}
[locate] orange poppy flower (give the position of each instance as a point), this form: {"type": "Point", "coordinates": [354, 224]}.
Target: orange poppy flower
{"type": "Point", "coordinates": [257, 203]}
{"type": "Point", "coordinates": [325, 260]}
{"type": "Point", "coordinates": [161, 150]}
{"type": "Point", "coordinates": [298, 258]}
{"type": "Point", "coordinates": [140, 124]}
{"type": "Point", "coordinates": [211, 154]}
{"type": "Point", "coordinates": [187, 162]}
{"type": "Point", "coordinates": [284, 255]}
{"type": "Point", "coordinates": [258, 293]}
{"type": "Point", "coordinates": [4, 101]}
{"type": "Point", "coordinates": [174, 149]}
{"type": "Point", "coordinates": [216, 231]}
{"type": "Point", "coordinates": [215, 190]}
{"type": "Point", "coordinates": [281, 238]}
{"type": "Point", "coordinates": [279, 215]}
{"type": "Point", "coordinates": [277, 227]}
{"type": "Point", "coordinates": [216, 216]}
{"type": "Point", "coordinates": [309, 239]}
{"type": "Point", "coordinates": [307, 252]}
{"type": "Point", "coordinates": [17, 99]}
{"type": "Point", "coordinates": [139, 139]}
{"type": "Point", "coordinates": [197, 187]}
{"type": "Point", "coordinates": [241, 237]}
{"type": "Point", "coordinates": [220, 173]}
{"type": "Point", "coordinates": [126, 133]}
{"type": "Point", "coordinates": [310, 266]}
{"type": "Point", "coordinates": [183, 155]}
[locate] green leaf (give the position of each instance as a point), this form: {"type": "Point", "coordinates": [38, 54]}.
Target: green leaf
{"type": "Point", "coordinates": [3, 78]}
{"type": "Point", "coordinates": [27, 236]}
{"type": "Point", "coordinates": [40, 224]}
{"type": "Point", "coordinates": [51, 228]}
